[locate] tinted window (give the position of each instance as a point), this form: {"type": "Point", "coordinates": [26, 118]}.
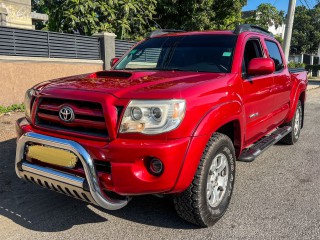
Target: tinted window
{"type": "Point", "coordinates": [198, 53]}
{"type": "Point", "coordinates": [274, 53]}
{"type": "Point", "coordinates": [252, 50]}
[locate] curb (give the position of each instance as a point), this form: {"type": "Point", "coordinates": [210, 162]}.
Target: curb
{"type": "Point", "coordinates": [312, 88]}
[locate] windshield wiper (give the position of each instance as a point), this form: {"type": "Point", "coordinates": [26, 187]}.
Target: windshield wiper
{"type": "Point", "coordinates": [179, 70]}
{"type": "Point", "coordinates": [160, 69]}
{"type": "Point", "coordinates": [139, 69]}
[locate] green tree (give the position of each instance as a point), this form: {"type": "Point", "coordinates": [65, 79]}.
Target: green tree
{"type": "Point", "coordinates": [199, 14]}
{"type": "Point", "coordinates": [279, 38]}
{"type": "Point", "coordinates": [127, 18]}
{"type": "Point", "coordinates": [306, 29]}
{"type": "Point", "coordinates": [267, 15]}
{"type": "Point", "coordinates": [132, 19]}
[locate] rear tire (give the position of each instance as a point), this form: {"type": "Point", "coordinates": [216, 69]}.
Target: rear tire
{"type": "Point", "coordinates": [208, 196]}
{"type": "Point", "coordinates": [295, 124]}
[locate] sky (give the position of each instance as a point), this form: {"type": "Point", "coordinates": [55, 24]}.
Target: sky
{"type": "Point", "coordinates": [279, 4]}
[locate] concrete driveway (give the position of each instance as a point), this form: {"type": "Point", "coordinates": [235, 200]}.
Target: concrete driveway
{"type": "Point", "coordinates": [276, 196]}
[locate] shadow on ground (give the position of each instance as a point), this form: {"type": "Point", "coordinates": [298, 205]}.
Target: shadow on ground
{"type": "Point", "coordinates": [43, 210]}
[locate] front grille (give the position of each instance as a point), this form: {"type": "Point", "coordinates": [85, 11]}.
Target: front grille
{"type": "Point", "coordinates": [89, 118]}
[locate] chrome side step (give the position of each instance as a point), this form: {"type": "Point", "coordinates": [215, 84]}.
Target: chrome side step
{"type": "Point", "coordinates": [250, 154]}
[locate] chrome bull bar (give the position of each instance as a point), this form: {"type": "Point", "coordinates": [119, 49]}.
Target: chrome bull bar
{"type": "Point", "coordinates": [43, 176]}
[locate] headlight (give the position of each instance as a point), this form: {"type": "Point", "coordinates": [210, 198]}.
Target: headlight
{"type": "Point", "coordinates": [152, 117]}
{"type": "Point", "coordinates": [28, 100]}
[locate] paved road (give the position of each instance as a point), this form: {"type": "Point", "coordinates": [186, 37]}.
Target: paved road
{"type": "Point", "coordinates": [276, 196]}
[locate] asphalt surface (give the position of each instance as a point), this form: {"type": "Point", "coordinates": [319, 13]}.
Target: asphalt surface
{"type": "Point", "coordinates": [276, 197]}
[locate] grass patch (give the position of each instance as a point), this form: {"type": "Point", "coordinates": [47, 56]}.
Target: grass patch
{"type": "Point", "coordinates": [12, 108]}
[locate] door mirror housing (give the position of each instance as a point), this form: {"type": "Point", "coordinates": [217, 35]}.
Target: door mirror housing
{"type": "Point", "coordinates": [260, 66]}
{"type": "Point", "coordinates": [113, 61]}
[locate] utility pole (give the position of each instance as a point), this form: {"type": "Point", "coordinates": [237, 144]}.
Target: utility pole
{"type": "Point", "coordinates": [288, 30]}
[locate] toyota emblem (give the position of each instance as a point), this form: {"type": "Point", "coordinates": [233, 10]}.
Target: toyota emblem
{"type": "Point", "coordinates": [66, 114]}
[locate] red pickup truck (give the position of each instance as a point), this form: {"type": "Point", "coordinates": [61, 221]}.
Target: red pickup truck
{"type": "Point", "coordinates": [171, 117]}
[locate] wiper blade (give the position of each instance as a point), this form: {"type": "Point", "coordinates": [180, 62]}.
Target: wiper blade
{"type": "Point", "coordinates": [139, 69]}
{"type": "Point", "coordinates": [179, 70]}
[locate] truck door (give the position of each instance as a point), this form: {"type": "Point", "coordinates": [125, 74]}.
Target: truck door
{"type": "Point", "coordinates": [257, 98]}
{"type": "Point", "coordinates": [282, 83]}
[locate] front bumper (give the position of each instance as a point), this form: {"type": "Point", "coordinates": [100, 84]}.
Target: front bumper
{"type": "Point", "coordinates": [63, 182]}
{"type": "Point", "coordinates": [129, 175]}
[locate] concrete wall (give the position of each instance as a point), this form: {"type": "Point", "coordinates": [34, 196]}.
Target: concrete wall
{"type": "Point", "coordinates": [18, 13]}
{"type": "Point", "coordinates": [20, 73]}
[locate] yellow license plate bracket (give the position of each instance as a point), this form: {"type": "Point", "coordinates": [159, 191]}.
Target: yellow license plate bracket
{"type": "Point", "coordinates": [55, 156]}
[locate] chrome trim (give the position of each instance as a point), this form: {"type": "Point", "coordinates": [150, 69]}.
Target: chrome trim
{"type": "Point", "coordinates": [66, 114]}
{"type": "Point", "coordinates": [87, 162]}
{"type": "Point", "coordinates": [58, 186]}
{"type": "Point", "coordinates": [254, 115]}
{"type": "Point", "coordinates": [52, 174]}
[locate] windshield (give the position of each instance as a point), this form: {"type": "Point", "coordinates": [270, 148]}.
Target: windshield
{"type": "Point", "coordinates": [197, 53]}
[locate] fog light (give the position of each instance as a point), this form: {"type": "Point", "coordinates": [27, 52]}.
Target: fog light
{"type": "Point", "coordinates": [156, 166]}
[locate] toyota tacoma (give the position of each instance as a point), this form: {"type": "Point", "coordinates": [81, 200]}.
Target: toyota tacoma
{"type": "Point", "coordinates": [171, 117]}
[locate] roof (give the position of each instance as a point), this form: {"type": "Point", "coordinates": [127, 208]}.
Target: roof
{"type": "Point", "coordinates": [207, 32]}
{"type": "Point", "coordinates": [239, 29]}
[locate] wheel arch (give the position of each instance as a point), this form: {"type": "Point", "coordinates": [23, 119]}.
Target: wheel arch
{"type": "Point", "coordinates": [302, 99]}
{"type": "Point", "coordinates": [298, 94]}
{"type": "Point", "coordinates": [215, 121]}
{"type": "Point", "coordinates": [232, 129]}
{"type": "Point", "coordinates": [227, 118]}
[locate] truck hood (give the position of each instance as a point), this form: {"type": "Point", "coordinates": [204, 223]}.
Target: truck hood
{"type": "Point", "coordinates": [124, 84]}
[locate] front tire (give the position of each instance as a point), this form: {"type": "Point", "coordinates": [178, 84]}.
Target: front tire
{"type": "Point", "coordinates": [207, 198]}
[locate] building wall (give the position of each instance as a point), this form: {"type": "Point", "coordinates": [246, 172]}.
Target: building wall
{"type": "Point", "coordinates": [20, 73]}
{"type": "Point", "coordinates": [277, 31]}
{"type": "Point", "coordinates": [18, 13]}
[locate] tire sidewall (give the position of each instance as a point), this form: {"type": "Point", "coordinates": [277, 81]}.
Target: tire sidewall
{"type": "Point", "coordinates": [213, 213]}
{"type": "Point", "coordinates": [295, 138]}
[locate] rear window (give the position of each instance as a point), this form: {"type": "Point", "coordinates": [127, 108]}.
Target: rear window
{"type": "Point", "coordinates": [274, 54]}
{"type": "Point", "coordinates": [198, 53]}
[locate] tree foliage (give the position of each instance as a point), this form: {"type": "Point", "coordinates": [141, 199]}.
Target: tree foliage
{"type": "Point", "coordinates": [126, 18]}
{"type": "Point", "coordinates": [199, 14]}
{"type": "Point", "coordinates": [132, 19]}
{"type": "Point", "coordinates": [279, 38]}
{"type": "Point", "coordinates": [306, 30]}
{"type": "Point", "coordinates": [267, 15]}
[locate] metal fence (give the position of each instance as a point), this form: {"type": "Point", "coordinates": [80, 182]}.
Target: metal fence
{"type": "Point", "coordinates": [33, 43]}
{"type": "Point", "coordinates": [122, 46]}
{"type": "Point", "coordinates": [306, 59]}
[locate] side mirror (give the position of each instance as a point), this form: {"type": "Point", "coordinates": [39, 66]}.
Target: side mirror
{"type": "Point", "coordinates": [113, 61]}
{"type": "Point", "coordinates": [260, 66]}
